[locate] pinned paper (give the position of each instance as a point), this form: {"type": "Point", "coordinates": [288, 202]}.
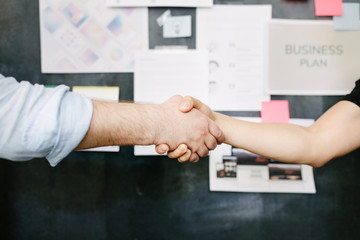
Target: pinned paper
{"type": "Point", "coordinates": [110, 94]}
{"type": "Point", "coordinates": [163, 17]}
{"type": "Point", "coordinates": [328, 7]}
{"type": "Point", "coordinates": [177, 27]}
{"type": "Point", "coordinates": [350, 20]}
{"type": "Point", "coordinates": [159, 3]}
{"type": "Point", "coordinates": [275, 111]}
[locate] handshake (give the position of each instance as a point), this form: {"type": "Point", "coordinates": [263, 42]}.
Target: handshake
{"type": "Point", "coordinates": [187, 130]}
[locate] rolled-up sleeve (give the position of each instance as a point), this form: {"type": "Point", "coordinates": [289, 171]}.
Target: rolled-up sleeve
{"type": "Point", "coordinates": [354, 96]}
{"type": "Point", "coordinates": [39, 122]}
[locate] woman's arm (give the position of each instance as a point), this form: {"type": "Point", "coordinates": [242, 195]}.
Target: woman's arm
{"type": "Point", "coordinates": [335, 133]}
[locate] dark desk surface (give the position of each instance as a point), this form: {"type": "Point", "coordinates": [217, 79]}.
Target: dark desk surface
{"type": "Point", "coordinates": [119, 196]}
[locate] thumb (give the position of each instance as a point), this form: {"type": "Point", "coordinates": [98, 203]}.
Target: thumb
{"type": "Point", "coordinates": [186, 104]}
{"type": "Point", "coordinates": [162, 148]}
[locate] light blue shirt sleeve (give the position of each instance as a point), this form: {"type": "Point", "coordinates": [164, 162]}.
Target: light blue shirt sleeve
{"type": "Point", "coordinates": [41, 122]}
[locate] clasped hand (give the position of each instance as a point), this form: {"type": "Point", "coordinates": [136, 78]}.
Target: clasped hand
{"type": "Point", "coordinates": [200, 133]}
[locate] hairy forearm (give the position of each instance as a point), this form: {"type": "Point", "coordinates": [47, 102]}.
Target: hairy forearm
{"type": "Point", "coordinates": [282, 142]}
{"type": "Point", "coordinates": [120, 124]}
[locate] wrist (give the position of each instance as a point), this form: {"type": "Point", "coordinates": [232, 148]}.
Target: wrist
{"type": "Point", "coordinates": [152, 123]}
{"type": "Point", "coordinates": [223, 122]}
{"type": "Point", "coordinates": [216, 117]}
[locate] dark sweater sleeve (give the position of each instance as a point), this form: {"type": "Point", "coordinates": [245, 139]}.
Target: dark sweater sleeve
{"type": "Point", "coordinates": [354, 96]}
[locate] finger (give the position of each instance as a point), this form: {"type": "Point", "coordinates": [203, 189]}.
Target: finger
{"type": "Point", "coordinates": [186, 104]}
{"type": "Point", "coordinates": [203, 151]}
{"type": "Point", "coordinates": [162, 148]}
{"type": "Point", "coordinates": [178, 152]}
{"type": "Point", "coordinates": [211, 142]}
{"type": "Point", "coordinates": [197, 104]}
{"type": "Point", "coordinates": [185, 157]}
{"type": "Point", "coordinates": [194, 158]}
{"type": "Point", "coordinates": [216, 132]}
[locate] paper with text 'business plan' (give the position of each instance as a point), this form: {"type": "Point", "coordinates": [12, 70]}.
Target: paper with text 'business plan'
{"type": "Point", "coordinates": [308, 57]}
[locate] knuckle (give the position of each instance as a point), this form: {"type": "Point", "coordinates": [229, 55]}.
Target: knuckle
{"type": "Point", "coordinates": [218, 132]}
{"type": "Point", "coordinates": [188, 98]}
{"type": "Point", "coordinates": [194, 157]}
{"type": "Point", "coordinates": [203, 130]}
{"type": "Point", "coordinates": [171, 155]}
{"type": "Point", "coordinates": [203, 152]}
{"type": "Point", "coordinates": [177, 153]}
{"type": "Point", "coordinates": [213, 145]}
{"type": "Point", "coordinates": [204, 119]}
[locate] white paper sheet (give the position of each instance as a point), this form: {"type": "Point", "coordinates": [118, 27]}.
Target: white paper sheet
{"type": "Point", "coordinates": [235, 36]}
{"type": "Point", "coordinates": [110, 94]}
{"type": "Point", "coordinates": [260, 177]}
{"type": "Point", "coordinates": [79, 36]}
{"type": "Point", "coordinates": [177, 27]}
{"type": "Point", "coordinates": [160, 3]}
{"type": "Point", "coordinates": [146, 151]}
{"type": "Point", "coordinates": [308, 57]}
{"type": "Point", "coordinates": [160, 74]}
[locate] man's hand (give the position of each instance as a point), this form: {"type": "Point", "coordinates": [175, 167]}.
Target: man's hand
{"type": "Point", "coordinates": [182, 153]}
{"type": "Point", "coordinates": [188, 103]}
{"type": "Point", "coordinates": [192, 133]}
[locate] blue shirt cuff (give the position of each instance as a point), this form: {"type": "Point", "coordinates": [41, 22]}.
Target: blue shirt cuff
{"type": "Point", "coordinates": [74, 122]}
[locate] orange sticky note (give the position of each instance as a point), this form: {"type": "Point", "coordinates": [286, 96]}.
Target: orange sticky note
{"type": "Point", "coordinates": [275, 111]}
{"type": "Point", "coordinates": [328, 7]}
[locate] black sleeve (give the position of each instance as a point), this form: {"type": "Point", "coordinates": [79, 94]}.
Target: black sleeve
{"type": "Point", "coordinates": [354, 96]}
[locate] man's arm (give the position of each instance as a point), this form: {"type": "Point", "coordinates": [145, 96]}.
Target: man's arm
{"type": "Point", "coordinates": [334, 134]}
{"type": "Point", "coordinates": [39, 122]}
{"type": "Point", "coordinates": [146, 124]}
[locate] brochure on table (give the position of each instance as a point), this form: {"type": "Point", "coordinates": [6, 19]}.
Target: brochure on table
{"type": "Point", "coordinates": [236, 170]}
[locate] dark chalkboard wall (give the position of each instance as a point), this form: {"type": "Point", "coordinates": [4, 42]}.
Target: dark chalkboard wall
{"type": "Point", "coordinates": [119, 196]}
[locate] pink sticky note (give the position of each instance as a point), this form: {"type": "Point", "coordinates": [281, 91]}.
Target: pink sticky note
{"type": "Point", "coordinates": [328, 8]}
{"type": "Point", "coordinates": [275, 111]}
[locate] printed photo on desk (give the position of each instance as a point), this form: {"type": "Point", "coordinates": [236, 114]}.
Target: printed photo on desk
{"type": "Point", "coordinates": [237, 170]}
{"type": "Point", "coordinates": [84, 37]}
